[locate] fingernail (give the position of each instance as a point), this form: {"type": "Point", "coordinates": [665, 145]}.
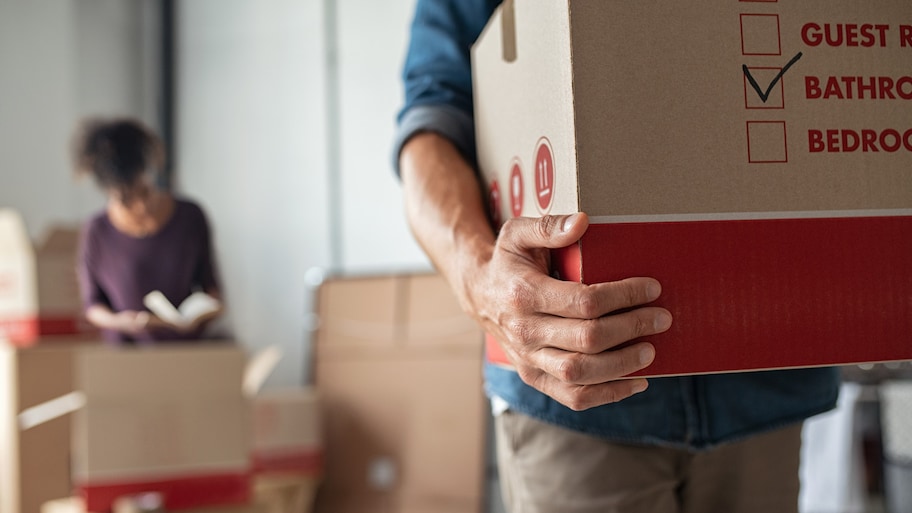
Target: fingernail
{"type": "Point", "coordinates": [640, 386]}
{"type": "Point", "coordinates": [569, 222]}
{"type": "Point", "coordinates": [662, 322]}
{"type": "Point", "coordinates": [647, 354]}
{"type": "Point", "coordinates": [653, 290]}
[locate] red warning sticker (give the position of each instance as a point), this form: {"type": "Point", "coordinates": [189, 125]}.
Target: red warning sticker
{"type": "Point", "coordinates": [544, 174]}
{"type": "Point", "coordinates": [516, 188]}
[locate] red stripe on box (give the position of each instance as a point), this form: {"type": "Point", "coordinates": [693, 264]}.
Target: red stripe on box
{"type": "Point", "coordinates": [307, 461]}
{"type": "Point", "coordinates": [179, 492]}
{"type": "Point", "coordinates": [762, 294]}
{"type": "Point", "coordinates": [61, 325]}
{"type": "Point", "coordinates": [20, 331]}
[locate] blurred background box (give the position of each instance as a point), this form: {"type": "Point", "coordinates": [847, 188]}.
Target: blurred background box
{"type": "Point", "coordinates": [18, 288]}
{"type": "Point", "coordinates": [59, 303]}
{"type": "Point", "coordinates": [77, 505]}
{"type": "Point", "coordinates": [398, 369]}
{"type": "Point", "coordinates": [34, 464]}
{"type": "Point", "coordinates": [285, 493]}
{"type": "Point", "coordinates": [39, 289]}
{"type": "Point", "coordinates": [287, 432]}
{"type": "Point", "coordinates": [169, 419]}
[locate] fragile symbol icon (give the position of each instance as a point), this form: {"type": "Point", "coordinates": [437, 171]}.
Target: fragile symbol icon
{"type": "Point", "coordinates": [544, 174]}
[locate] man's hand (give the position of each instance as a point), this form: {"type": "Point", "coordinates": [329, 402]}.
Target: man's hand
{"type": "Point", "coordinates": [562, 336]}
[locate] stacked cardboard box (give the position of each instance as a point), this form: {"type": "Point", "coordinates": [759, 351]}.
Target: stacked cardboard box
{"type": "Point", "coordinates": [398, 367]}
{"type": "Point", "coordinates": [752, 155]}
{"type": "Point", "coordinates": [39, 292]}
{"type": "Point", "coordinates": [59, 303]}
{"type": "Point", "coordinates": [171, 420]}
{"type": "Point", "coordinates": [287, 432]}
{"type": "Point", "coordinates": [77, 505]}
{"type": "Point", "coordinates": [35, 464]}
{"type": "Point", "coordinates": [287, 458]}
{"type": "Point", "coordinates": [18, 288]}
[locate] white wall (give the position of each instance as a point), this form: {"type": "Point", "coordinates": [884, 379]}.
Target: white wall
{"type": "Point", "coordinates": [254, 148]}
{"type": "Point", "coordinates": [60, 60]}
{"type": "Point", "coordinates": [253, 131]}
{"type": "Point", "coordinates": [372, 40]}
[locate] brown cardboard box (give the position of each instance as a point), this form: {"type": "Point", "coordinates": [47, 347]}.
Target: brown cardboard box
{"type": "Point", "coordinates": [758, 167]}
{"type": "Point", "coordinates": [39, 290]}
{"type": "Point", "coordinates": [285, 493]}
{"type": "Point", "coordinates": [287, 432]}
{"type": "Point", "coordinates": [167, 419]}
{"type": "Point", "coordinates": [35, 464]}
{"type": "Point", "coordinates": [77, 505]}
{"type": "Point", "coordinates": [18, 290]}
{"type": "Point", "coordinates": [59, 304]}
{"type": "Point", "coordinates": [398, 368]}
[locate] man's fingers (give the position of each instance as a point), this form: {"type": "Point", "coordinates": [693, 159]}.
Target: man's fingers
{"type": "Point", "coordinates": [591, 336]}
{"type": "Point", "coordinates": [527, 233]}
{"type": "Point", "coordinates": [580, 301]}
{"type": "Point", "coordinates": [583, 397]}
{"type": "Point", "coordinates": [591, 369]}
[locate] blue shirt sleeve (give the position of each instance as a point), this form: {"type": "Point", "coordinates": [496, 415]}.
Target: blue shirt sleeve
{"type": "Point", "coordinates": [438, 73]}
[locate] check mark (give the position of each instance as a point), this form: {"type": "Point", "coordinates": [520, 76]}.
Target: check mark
{"type": "Point", "coordinates": [764, 95]}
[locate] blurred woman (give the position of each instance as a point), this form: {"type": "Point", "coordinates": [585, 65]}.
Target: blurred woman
{"type": "Point", "coordinates": [144, 240]}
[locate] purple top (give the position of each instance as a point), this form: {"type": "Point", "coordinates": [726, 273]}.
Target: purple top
{"type": "Point", "coordinates": [117, 270]}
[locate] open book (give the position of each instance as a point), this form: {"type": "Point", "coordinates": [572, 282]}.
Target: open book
{"type": "Point", "coordinates": [196, 306]}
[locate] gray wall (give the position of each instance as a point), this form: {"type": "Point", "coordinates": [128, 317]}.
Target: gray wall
{"type": "Point", "coordinates": [60, 60]}
{"type": "Point", "coordinates": [287, 148]}
{"type": "Point", "coordinates": [283, 132]}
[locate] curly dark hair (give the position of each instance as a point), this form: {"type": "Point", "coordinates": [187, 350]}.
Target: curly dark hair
{"type": "Point", "coordinates": [117, 152]}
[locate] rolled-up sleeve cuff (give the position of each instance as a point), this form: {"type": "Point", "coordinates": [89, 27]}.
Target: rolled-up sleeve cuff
{"type": "Point", "coordinates": [450, 122]}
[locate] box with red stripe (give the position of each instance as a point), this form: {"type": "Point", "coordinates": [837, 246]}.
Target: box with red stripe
{"type": "Point", "coordinates": [171, 420]}
{"type": "Point", "coordinates": [287, 432]}
{"type": "Point", "coordinates": [781, 234]}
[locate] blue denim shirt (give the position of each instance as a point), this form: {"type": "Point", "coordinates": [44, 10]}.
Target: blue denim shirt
{"type": "Point", "coordinates": [692, 412]}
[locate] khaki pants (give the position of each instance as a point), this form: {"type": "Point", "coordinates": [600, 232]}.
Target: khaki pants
{"type": "Point", "coordinates": [548, 469]}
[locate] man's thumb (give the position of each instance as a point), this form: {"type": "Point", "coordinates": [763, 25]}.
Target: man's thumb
{"type": "Point", "coordinates": [556, 231]}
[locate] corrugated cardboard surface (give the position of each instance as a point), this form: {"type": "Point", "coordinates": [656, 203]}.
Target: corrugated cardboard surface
{"type": "Point", "coordinates": [663, 107]}
{"type": "Point", "coordinates": [77, 505]}
{"type": "Point", "coordinates": [286, 493]}
{"type": "Point", "coordinates": [398, 367]}
{"type": "Point", "coordinates": [164, 417]}
{"type": "Point", "coordinates": [774, 249]}
{"type": "Point", "coordinates": [18, 291]}
{"type": "Point", "coordinates": [60, 307]}
{"type": "Point", "coordinates": [39, 291]}
{"type": "Point", "coordinates": [660, 107]}
{"type": "Point", "coordinates": [288, 431]}
{"type": "Point", "coordinates": [35, 464]}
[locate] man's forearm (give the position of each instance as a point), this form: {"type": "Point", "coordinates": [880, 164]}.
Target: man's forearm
{"type": "Point", "coordinates": [445, 209]}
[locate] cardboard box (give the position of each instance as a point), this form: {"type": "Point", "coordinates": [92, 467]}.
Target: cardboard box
{"type": "Point", "coordinates": [285, 493]}
{"type": "Point", "coordinates": [77, 505]}
{"type": "Point", "coordinates": [59, 303]}
{"type": "Point", "coordinates": [287, 432]}
{"type": "Point", "coordinates": [39, 290]}
{"type": "Point", "coordinates": [398, 368]}
{"type": "Point", "coordinates": [756, 166]}
{"type": "Point", "coordinates": [168, 419]}
{"type": "Point", "coordinates": [18, 289]}
{"type": "Point", "coordinates": [34, 464]}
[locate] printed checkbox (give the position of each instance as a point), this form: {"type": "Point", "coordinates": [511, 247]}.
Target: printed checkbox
{"type": "Point", "coordinates": [760, 34]}
{"type": "Point", "coordinates": [766, 142]}
{"type": "Point", "coordinates": [772, 98]}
